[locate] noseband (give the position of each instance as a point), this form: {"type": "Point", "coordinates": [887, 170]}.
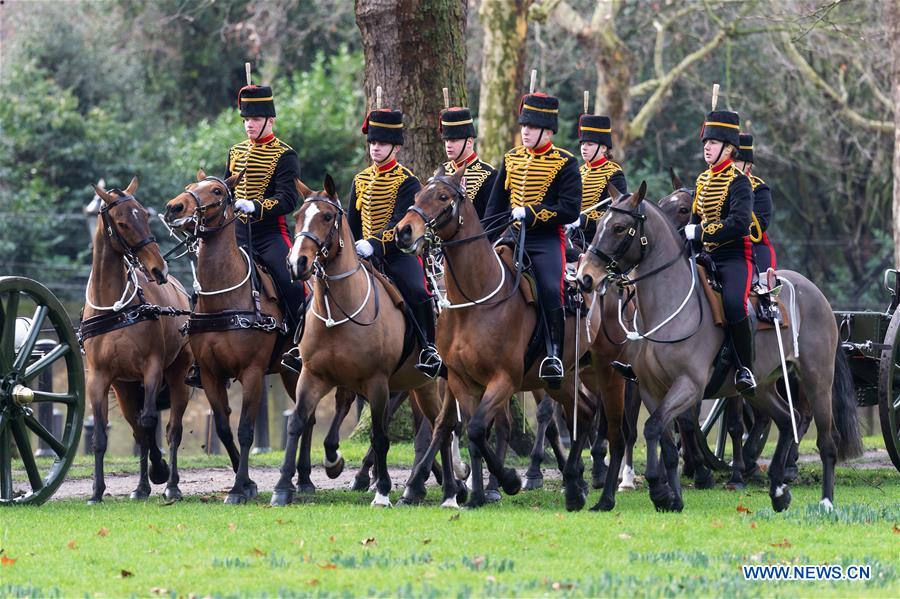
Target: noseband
{"type": "Point", "coordinates": [201, 229]}
{"type": "Point", "coordinates": [447, 214]}
{"type": "Point", "coordinates": [130, 250]}
{"type": "Point", "coordinates": [635, 231]}
{"type": "Point", "coordinates": [322, 250]}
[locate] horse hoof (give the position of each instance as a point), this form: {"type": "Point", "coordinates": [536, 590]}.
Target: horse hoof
{"type": "Point", "coordinates": [575, 501]}
{"type": "Point", "coordinates": [791, 473]}
{"type": "Point", "coordinates": [704, 479]}
{"type": "Point", "coordinates": [663, 498]}
{"type": "Point", "coordinates": [236, 499]}
{"type": "Point", "coordinates": [735, 485]}
{"type": "Point", "coordinates": [533, 483]}
{"type": "Point", "coordinates": [335, 470]}
{"type": "Point", "coordinates": [462, 492]}
{"type": "Point", "coordinates": [251, 491]}
{"type": "Point", "coordinates": [381, 500]}
{"type": "Point", "coordinates": [281, 498]}
{"type": "Point", "coordinates": [476, 500]}
{"type": "Point", "coordinates": [491, 496]}
{"type": "Point", "coordinates": [139, 494]}
{"type": "Point", "coordinates": [451, 503]}
{"type": "Point", "coordinates": [360, 484]}
{"type": "Point", "coordinates": [781, 498]}
{"type": "Point", "coordinates": [511, 482]}
{"type": "Point", "coordinates": [307, 488]}
{"type": "Point", "coordinates": [462, 471]}
{"type": "Point", "coordinates": [598, 478]}
{"type": "Point", "coordinates": [604, 505]}
{"type": "Point", "coordinates": [159, 473]}
{"type": "Point", "coordinates": [626, 486]}
{"type": "Point", "coordinates": [172, 493]}
{"type": "Point", "coordinates": [95, 501]}
{"type": "Point", "coordinates": [412, 496]}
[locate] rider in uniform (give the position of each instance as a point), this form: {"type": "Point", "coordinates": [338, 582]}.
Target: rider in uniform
{"type": "Point", "coordinates": [539, 183]}
{"type": "Point", "coordinates": [458, 133]}
{"type": "Point", "coordinates": [597, 172]}
{"type": "Point", "coordinates": [379, 198]}
{"type": "Point", "coordinates": [763, 252]}
{"type": "Point", "coordinates": [264, 196]}
{"type": "Point", "coordinates": [720, 220]}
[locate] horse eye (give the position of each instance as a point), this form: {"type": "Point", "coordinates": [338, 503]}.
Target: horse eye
{"type": "Point", "coordinates": [444, 197]}
{"type": "Point", "coordinates": [217, 191]}
{"type": "Point", "coordinates": [328, 217]}
{"type": "Point", "coordinates": [618, 229]}
{"type": "Point", "coordinates": [683, 210]}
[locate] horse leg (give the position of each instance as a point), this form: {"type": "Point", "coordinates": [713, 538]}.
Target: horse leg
{"type": "Point", "coordinates": [443, 413]}
{"type": "Point", "coordinates": [310, 390]}
{"type": "Point", "coordinates": [612, 402]}
{"type": "Point", "coordinates": [334, 461]}
{"type": "Point", "coordinates": [379, 397]}
{"type": "Point", "coordinates": [304, 461]}
{"type": "Point", "coordinates": [495, 398]}
{"type": "Point", "coordinates": [98, 391]}
{"type": "Point", "coordinates": [755, 442]}
{"type": "Point", "coordinates": [690, 444]}
{"type": "Point", "coordinates": [632, 412]}
{"type": "Point", "coordinates": [574, 486]}
{"type": "Point", "coordinates": [174, 376]}
{"type": "Point", "coordinates": [734, 421]}
{"type": "Point", "coordinates": [599, 449]}
{"type": "Point", "coordinates": [767, 400]}
{"type": "Point", "coordinates": [149, 420]}
{"type": "Point", "coordinates": [422, 438]}
{"type": "Point", "coordinates": [534, 477]}
{"type": "Point", "coordinates": [217, 396]}
{"type": "Point", "coordinates": [130, 401]}
{"type": "Point", "coordinates": [244, 489]}
{"type": "Point", "coordinates": [670, 460]}
{"type": "Point", "coordinates": [502, 428]}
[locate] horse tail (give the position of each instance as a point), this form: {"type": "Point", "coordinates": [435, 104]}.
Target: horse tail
{"type": "Point", "coordinates": [846, 431]}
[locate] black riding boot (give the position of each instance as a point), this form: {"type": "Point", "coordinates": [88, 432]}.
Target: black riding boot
{"type": "Point", "coordinates": [430, 361]}
{"type": "Point", "coordinates": [291, 359]}
{"type": "Point", "coordinates": [193, 376]}
{"type": "Point", "coordinates": [742, 339]}
{"type": "Point", "coordinates": [551, 370]}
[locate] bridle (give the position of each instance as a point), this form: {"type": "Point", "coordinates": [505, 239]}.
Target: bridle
{"type": "Point", "coordinates": [129, 250]}
{"type": "Point", "coordinates": [444, 216]}
{"type": "Point", "coordinates": [635, 231]}
{"type": "Point", "coordinates": [322, 250]}
{"type": "Point", "coordinates": [201, 228]}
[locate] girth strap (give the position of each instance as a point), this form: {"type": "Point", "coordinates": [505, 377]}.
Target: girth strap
{"type": "Point", "coordinates": [232, 320]}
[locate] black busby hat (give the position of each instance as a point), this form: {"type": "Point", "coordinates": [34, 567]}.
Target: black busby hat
{"type": "Point", "coordinates": [539, 110]}
{"type": "Point", "coordinates": [456, 123]}
{"type": "Point", "coordinates": [384, 125]}
{"type": "Point", "coordinates": [745, 149]}
{"type": "Point", "coordinates": [256, 100]}
{"type": "Point", "coordinates": [722, 125]}
{"type": "Point", "coordinates": [597, 129]}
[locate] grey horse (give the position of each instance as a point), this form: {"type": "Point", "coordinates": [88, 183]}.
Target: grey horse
{"type": "Point", "coordinates": [673, 349]}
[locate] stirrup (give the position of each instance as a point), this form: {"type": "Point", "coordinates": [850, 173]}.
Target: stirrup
{"type": "Point", "coordinates": [430, 362]}
{"type": "Point", "coordinates": [291, 359]}
{"type": "Point", "coordinates": [551, 371]}
{"type": "Point", "coordinates": [192, 379]}
{"type": "Point", "coordinates": [744, 381]}
{"type": "Point", "coordinates": [624, 370]}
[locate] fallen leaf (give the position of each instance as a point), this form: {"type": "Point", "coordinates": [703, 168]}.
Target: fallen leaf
{"type": "Point", "coordinates": [368, 541]}
{"type": "Point", "coordinates": [478, 561]}
{"type": "Point", "coordinates": [753, 525]}
{"type": "Point", "coordinates": [491, 579]}
{"type": "Point", "coordinates": [72, 544]}
{"type": "Point", "coordinates": [232, 526]}
{"type": "Point", "coordinates": [312, 582]}
{"type": "Point", "coordinates": [717, 524]}
{"type": "Point", "coordinates": [258, 552]}
{"type": "Point", "coordinates": [896, 529]}
{"type": "Point", "coordinates": [763, 468]}
{"type": "Point", "coordinates": [279, 521]}
{"type": "Point", "coordinates": [624, 536]}
{"type": "Point", "coordinates": [785, 543]}
{"type": "Point", "coordinates": [7, 561]}
{"type": "Point", "coordinates": [743, 509]}
{"type": "Point", "coordinates": [556, 586]}
{"type": "Point", "coordinates": [328, 566]}
{"type": "Point", "coordinates": [331, 539]}
{"type": "Point", "coordinates": [159, 591]}
{"type": "Point", "coordinates": [181, 527]}
{"type": "Point", "coordinates": [126, 574]}
{"type": "Point", "coordinates": [560, 516]}
{"type": "Point", "coordinates": [299, 543]}
{"type": "Point", "coordinates": [103, 532]}
{"type": "Point", "coordinates": [426, 541]}
{"type": "Point", "coordinates": [454, 517]}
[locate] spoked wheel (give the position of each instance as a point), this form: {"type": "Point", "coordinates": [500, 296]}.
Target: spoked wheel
{"type": "Point", "coordinates": [36, 338]}
{"type": "Point", "coordinates": [715, 444]}
{"type": "Point", "coordinates": [889, 389]}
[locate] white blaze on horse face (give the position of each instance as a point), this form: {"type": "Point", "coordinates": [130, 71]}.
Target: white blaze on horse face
{"type": "Point", "coordinates": [603, 224]}
{"type": "Point", "coordinates": [311, 211]}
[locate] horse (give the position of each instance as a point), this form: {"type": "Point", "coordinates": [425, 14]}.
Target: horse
{"type": "Point", "coordinates": [484, 344]}
{"type": "Point", "coordinates": [356, 339]}
{"type": "Point", "coordinates": [635, 244]}
{"type": "Point", "coordinates": [237, 329]}
{"type": "Point", "coordinates": [131, 340]}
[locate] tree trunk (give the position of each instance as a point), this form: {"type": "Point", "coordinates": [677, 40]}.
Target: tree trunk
{"type": "Point", "coordinates": [893, 18]}
{"type": "Point", "coordinates": [412, 49]}
{"type": "Point", "coordinates": [502, 74]}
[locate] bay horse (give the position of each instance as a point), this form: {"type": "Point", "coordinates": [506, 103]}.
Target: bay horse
{"type": "Point", "coordinates": [237, 328]}
{"type": "Point", "coordinates": [130, 334]}
{"type": "Point", "coordinates": [635, 244]}
{"type": "Point", "coordinates": [484, 344]}
{"type": "Point", "coordinates": [355, 338]}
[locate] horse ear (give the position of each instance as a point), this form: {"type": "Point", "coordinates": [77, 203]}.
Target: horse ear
{"type": "Point", "coordinates": [459, 174]}
{"type": "Point", "coordinates": [330, 187]}
{"type": "Point", "coordinates": [637, 197]}
{"type": "Point", "coordinates": [441, 171]}
{"type": "Point", "coordinates": [230, 181]}
{"type": "Point", "coordinates": [676, 182]}
{"type": "Point", "coordinates": [302, 189]}
{"type": "Point", "coordinates": [102, 193]}
{"type": "Point", "coordinates": [201, 175]}
{"type": "Point", "coordinates": [614, 193]}
{"type": "Point", "coordinates": [132, 187]}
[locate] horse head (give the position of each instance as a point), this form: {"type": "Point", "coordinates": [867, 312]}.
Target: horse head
{"type": "Point", "coordinates": [677, 205]}
{"type": "Point", "coordinates": [318, 226]}
{"type": "Point", "coordinates": [209, 200]}
{"type": "Point", "coordinates": [619, 243]}
{"type": "Point", "coordinates": [436, 212]}
{"type": "Point", "coordinates": [127, 224]}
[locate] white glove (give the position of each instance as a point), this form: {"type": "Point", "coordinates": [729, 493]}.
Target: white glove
{"type": "Point", "coordinates": [518, 213]}
{"type": "Point", "coordinates": [364, 249]}
{"type": "Point", "coordinates": [573, 225]}
{"type": "Point", "coordinates": [245, 206]}
{"type": "Point", "coordinates": [690, 231]}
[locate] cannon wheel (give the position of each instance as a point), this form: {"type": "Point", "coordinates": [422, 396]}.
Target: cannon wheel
{"type": "Point", "coordinates": [24, 479]}
{"type": "Point", "coordinates": [889, 389]}
{"type": "Point", "coordinates": [715, 444]}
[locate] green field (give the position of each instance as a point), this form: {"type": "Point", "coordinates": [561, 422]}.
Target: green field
{"type": "Point", "coordinates": [337, 545]}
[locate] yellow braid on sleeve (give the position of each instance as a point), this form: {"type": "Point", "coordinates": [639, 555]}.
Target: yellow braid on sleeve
{"type": "Point", "coordinates": [755, 237]}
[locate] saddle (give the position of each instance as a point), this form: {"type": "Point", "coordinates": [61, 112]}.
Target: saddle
{"type": "Point", "coordinates": [759, 299]}
{"type": "Point", "coordinates": [392, 290]}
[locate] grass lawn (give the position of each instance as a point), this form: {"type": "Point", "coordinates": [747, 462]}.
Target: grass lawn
{"type": "Point", "coordinates": [526, 546]}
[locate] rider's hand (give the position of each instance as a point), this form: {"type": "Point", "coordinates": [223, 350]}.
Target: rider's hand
{"type": "Point", "coordinates": [573, 225]}
{"type": "Point", "coordinates": [518, 213]}
{"type": "Point", "coordinates": [364, 249]}
{"type": "Point", "coordinates": [245, 206]}
{"type": "Point", "coordinates": [690, 232]}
